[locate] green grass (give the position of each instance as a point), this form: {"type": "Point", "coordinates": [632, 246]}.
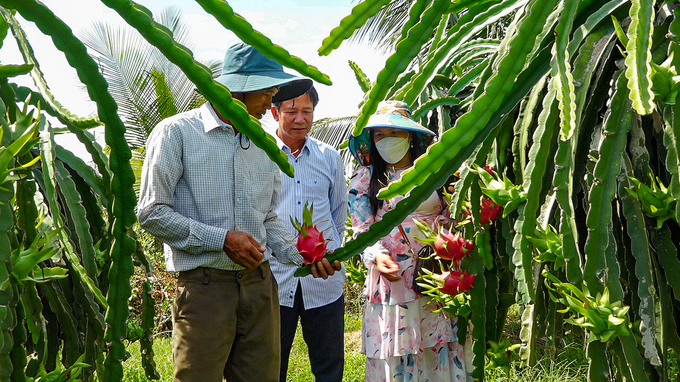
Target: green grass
{"type": "Point", "coordinates": [298, 368]}
{"type": "Point", "coordinates": [570, 365]}
{"type": "Point", "coordinates": [162, 348]}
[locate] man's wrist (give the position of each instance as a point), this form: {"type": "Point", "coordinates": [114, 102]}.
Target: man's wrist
{"type": "Point", "coordinates": [215, 238]}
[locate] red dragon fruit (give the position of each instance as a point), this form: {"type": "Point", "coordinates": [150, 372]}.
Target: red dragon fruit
{"type": "Point", "coordinates": [446, 245]}
{"type": "Point", "coordinates": [456, 282]}
{"type": "Point", "coordinates": [489, 211]}
{"type": "Point", "coordinates": [311, 243]}
{"type": "Point", "coordinates": [451, 247]}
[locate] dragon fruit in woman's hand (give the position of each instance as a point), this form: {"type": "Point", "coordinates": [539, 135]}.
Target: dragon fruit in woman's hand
{"type": "Point", "coordinates": [311, 243]}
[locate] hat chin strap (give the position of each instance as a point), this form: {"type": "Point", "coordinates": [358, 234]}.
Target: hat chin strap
{"type": "Point", "coordinates": [392, 149]}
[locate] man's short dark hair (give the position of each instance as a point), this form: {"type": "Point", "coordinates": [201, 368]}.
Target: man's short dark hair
{"type": "Point", "coordinates": [313, 96]}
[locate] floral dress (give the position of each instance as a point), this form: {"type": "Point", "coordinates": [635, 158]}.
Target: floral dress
{"type": "Point", "coordinates": [402, 337]}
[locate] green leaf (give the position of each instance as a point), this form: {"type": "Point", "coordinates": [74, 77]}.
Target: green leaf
{"type": "Point", "coordinates": [146, 342]}
{"type": "Point", "coordinates": [590, 55]}
{"type": "Point", "coordinates": [561, 69]}
{"type": "Point", "coordinates": [617, 123]}
{"type": "Point", "coordinates": [469, 24]}
{"type": "Point", "coordinates": [534, 176]}
{"type": "Point", "coordinates": [429, 105]}
{"type": "Point", "coordinates": [242, 28]}
{"type": "Point", "coordinates": [639, 56]}
{"type": "Point", "coordinates": [360, 13]}
{"type": "Point", "coordinates": [405, 51]}
{"type": "Point", "coordinates": [364, 82]}
{"type": "Point", "coordinates": [11, 70]}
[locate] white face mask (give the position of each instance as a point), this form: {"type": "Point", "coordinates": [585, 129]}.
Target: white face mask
{"type": "Point", "coordinates": [392, 149]}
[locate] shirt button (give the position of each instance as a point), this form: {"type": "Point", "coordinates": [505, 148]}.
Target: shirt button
{"type": "Point", "coordinates": [298, 182]}
{"type": "Point", "coordinates": [240, 276]}
{"type": "Point", "coordinates": [299, 202]}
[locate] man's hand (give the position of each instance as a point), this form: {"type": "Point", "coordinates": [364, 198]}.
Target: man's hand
{"type": "Point", "coordinates": [387, 267]}
{"type": "Point", "coordinates": [243, 249]}
{"type": "Point", "coordinates": [324, 269]}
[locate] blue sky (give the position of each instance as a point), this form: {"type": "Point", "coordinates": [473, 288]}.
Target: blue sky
{"type": "Point", "coordinates": [297, 25]}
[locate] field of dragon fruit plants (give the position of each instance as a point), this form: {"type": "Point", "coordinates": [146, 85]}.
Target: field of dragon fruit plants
{"type": "Point", "coordinates": [573, 105]}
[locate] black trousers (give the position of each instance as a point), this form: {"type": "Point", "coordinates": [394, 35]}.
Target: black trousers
{"type": "Point", "coordinates": [323, 329]}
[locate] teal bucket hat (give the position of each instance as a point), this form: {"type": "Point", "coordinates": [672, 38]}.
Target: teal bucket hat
{"type": "Point", "coordinates": [245, 69]}
{"type": "Point", "coordinates": [394, 114]}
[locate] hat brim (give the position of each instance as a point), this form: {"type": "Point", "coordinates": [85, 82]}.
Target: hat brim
{"type": "Point", "coordinates": [360, 146]}
{"type": "Point", "coordinates": [292, 90]}
{"type": "Point", "coordinates": [416, 128]}
{"type": "Point", "coordinates": [250, 82]}
{"type": "Point", "coordinates": [395, 121]}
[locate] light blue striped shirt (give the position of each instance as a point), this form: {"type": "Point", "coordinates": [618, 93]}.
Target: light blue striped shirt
{"type": "Point", "coordinates": [199, 181]}
{"type": "Point", "coordinates": [319, 179]}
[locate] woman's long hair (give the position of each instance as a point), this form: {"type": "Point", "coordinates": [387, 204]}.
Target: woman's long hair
{"type": "Point", "coordinates": [379, 173]}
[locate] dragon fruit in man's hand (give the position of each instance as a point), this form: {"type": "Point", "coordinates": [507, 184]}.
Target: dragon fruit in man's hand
{"type": "Point", "coordinates": [311, 243]}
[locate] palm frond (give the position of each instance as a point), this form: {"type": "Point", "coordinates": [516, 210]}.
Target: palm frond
{"type": "Point", "coordinates": [335, 132]}
{"type": "Point", "coordinates": [146, 86]}
{"type": "Point", "coordinates": [384, 29]}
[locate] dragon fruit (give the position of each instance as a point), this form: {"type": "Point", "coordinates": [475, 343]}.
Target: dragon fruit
{"type": "Point", "coordinates": [489, 211]}
{"type": "Point", "coordinates": [447, 245]}
{"type": "Point", "coordinates": [456, 282]}
{"type": "Point", "coordinates": [311, 243]}
{"type": "Point", "coordinates": [451, 247]}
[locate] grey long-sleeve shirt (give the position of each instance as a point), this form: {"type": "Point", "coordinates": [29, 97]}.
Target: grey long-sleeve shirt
{"type": "Point", "coordinates": [199, 181]}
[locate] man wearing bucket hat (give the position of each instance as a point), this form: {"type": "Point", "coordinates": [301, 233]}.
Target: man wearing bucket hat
{"type": "Point", "coordinates": [425, 348]}
{"type": "Point", "coordinates": [209, 195]}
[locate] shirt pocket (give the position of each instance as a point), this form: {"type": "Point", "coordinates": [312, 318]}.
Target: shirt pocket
{"type": "Point", "coordinates": [262, 190]}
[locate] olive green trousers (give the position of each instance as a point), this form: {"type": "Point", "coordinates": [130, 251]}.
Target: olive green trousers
{"type": "Point", "coordinates": [226, 326]}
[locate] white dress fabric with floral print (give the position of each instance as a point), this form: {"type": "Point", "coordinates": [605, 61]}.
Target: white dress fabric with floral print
{"type": "Point", "coordinates": [402, 337]}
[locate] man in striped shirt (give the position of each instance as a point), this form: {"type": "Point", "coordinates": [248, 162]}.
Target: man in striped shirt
{"type": "Point", "coordinates": [320, 180]}
{"type": "Point", "coordinates": [209, 194]}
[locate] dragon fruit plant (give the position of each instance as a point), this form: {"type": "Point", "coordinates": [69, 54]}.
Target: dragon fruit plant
{"type": "Point", "coordinates": [501, 192]}
{"type": "Point", "coordinates": [448, 289]}
{"type": "Point", "coordinates": [657, 201]}
{"type": "Point", "coordinates": [311, 243]}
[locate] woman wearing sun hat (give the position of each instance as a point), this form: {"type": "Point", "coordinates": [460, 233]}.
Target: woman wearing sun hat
{"type": "Point", "coordinates": [402, 337]}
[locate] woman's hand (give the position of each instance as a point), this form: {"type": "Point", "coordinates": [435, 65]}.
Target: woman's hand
{"type": "Point", "coordinates": [387, 267]}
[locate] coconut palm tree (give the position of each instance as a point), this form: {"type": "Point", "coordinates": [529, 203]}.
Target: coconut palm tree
{"type": "Point", "coordinates": [146, 86]}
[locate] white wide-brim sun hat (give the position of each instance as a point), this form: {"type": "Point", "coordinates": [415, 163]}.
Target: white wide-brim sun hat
{"type": "Point", "coordinates": [391, 114]}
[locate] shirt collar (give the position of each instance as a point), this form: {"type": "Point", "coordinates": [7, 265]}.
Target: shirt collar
{"type": "Point", "coordinates": [286, 149]}
{"type": "Point", "coordinates": [210, 118]}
